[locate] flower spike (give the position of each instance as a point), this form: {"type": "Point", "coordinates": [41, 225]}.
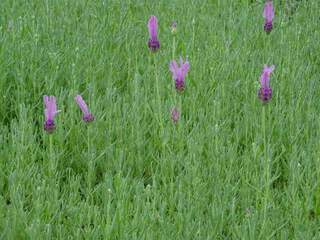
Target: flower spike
{"type": "Point", "coordinates": [268, 14]}
{"type": "Point", "coordinates": [265, 91]}
{"type": "Point", "coordinates": [175, 115]}
{"type": "Point", "coordinates": [179, 73]}
{"type": "Point", "coordinates": [87, 116]}
{"type": "Point", "coordinates": [153, 43]}
{"type": "Point", "coordinates": [50, 112]}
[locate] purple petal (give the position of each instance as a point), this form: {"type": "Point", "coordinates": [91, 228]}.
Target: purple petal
{"type": "Point", "coordinates": [153, 27]}
{"type": "Point", "coordinates": [50, 107]}
{"type": "Point", "coordinates": [265, 76]}
{"type": "Point", "coordinates": [45, 100]}
{"type": "Point", "coordinates": [53, 106]}
{"type": "Point", "coordinates": [268, 70]}
{"type": "Point", "coordinates": [175, 115]}
{"type": "Point", "coordinates": [268, 12]}
{"type": "Point", "coordinates": [174, 69]}
{"type": "Point", "coordinates": [83, 106]}
{"type": "Point", "coordinates": [185, 68]}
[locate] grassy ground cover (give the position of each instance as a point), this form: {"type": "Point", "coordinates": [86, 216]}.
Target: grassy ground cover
{"type": "Point", "coordinates": [231, 168]}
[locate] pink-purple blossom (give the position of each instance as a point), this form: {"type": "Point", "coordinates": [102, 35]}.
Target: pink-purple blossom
{"type": "Point", "coordinates": [50, 112]}
{"type": "Point", "coordinates": [153, 43]}
{"type": "Point", "coordinates": [179, 73]}
{"type": "Point", "coordinates": [175, 115]}
{"type": "Point", "coordinates": [87, 116]}
{"type": "Point", "coordinates": [265, 91]}
{"type": "Point", "coordinates": [268, 14]}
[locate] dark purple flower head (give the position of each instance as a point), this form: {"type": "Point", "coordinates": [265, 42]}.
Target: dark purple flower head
{"type": "Point", "coordinates": [50, 112]}
{"type": "Point", "coordinates": [268, 14]}
{"type": "Point", "coordinates": [87, 116]}
{"type": "Point", "coordinates": [153, 42]}
{"type": "Point", "coordinates": [265, 91]}
{"type": "Point", "coordinates": [179, 73]}
{"type": "Point", "coordinates": [175, 115]}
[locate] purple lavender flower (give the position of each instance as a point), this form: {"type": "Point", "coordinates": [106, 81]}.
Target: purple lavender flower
{"type": "Point", "coordinates": [175, 115]}
{"type": "Point", "coordinates": [265, 91]}
{"type": "Point", "coordinates": [179, 73]}
{"type": "Point", "coordinates": [268, 14]}
{"type": "Point", "coordinates": [87, 116]}
{"type": "Point", "coordinates": [153, 42]}
{"type": "Point", "coordinates": [50, 112]}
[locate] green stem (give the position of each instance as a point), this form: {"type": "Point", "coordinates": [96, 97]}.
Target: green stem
{"type": "Point", "coordinates": [158, 94]}
{"type": "Point", "coordinates": [193, 34]}
{"type": "Point", "coordinates": [266, 169]}
{"type": "Point", "coordinates": [264, 132]}
{"type": "Point", "coordinates": [173, 47]}
{"type": "Point", "coordinates": [90, 164]}
{"type": "Point", "coordinates": [51, 157]}
{"type": "Point", "coordinates": [267, 165]}
{"type": "Point", "coordinates": [180, 106]}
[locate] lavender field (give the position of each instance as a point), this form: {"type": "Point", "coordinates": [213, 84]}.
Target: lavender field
{"type": "Point", "coordinates": [140, 119]}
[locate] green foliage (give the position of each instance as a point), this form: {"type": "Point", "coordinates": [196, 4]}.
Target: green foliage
{"type": "Point", "coordinates": [227, 170]}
